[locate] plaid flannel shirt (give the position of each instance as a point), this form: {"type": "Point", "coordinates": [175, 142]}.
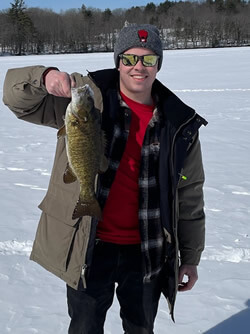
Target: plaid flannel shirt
{"type": "Point", "coordinates": [151, 230]}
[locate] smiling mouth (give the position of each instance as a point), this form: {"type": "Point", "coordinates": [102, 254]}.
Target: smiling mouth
{"type": "Point", "coordinates": [139, 77]}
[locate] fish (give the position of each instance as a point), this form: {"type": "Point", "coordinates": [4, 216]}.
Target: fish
{"type": "Point", "coordinates": [85, 147]}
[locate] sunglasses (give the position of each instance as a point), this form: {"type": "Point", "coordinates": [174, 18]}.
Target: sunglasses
{"type": "Point", "coordinates": [132, 60]}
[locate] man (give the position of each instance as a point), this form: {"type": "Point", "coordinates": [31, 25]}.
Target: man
{"type": "Point", "coordinates": [151, 195]}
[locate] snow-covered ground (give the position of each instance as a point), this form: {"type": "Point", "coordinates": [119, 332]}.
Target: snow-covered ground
{"type": "Point", "coordinates": [216, 83]}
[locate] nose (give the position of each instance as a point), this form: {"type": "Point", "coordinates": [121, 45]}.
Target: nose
{"type": "Point", "coordinates": [139, 65]}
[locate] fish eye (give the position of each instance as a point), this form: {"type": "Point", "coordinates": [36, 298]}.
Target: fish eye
{"type": "Point", "coordinates": [75, 123]}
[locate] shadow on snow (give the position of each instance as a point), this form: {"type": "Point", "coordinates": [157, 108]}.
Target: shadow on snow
{"type": "Point", "coordinates": [238, 323]}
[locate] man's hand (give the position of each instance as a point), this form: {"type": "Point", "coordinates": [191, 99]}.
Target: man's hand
{"type": "Point", "coordinates": [59, 83]}
{"type": "Point", "coordinates": [191, 272]}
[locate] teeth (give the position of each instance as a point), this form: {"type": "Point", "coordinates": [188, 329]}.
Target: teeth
{"type": "Point", "coordinates": [138, 76]}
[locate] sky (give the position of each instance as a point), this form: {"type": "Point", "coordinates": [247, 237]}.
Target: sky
{"type": "Point", "coordinates": [57, 5]}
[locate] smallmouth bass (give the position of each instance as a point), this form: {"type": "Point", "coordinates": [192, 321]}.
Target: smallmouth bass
{"type": "Point", "coordinates": [85, 145]}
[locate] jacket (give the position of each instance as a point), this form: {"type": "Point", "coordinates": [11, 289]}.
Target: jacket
{"type": "Point", "coordinates": [64, 246]}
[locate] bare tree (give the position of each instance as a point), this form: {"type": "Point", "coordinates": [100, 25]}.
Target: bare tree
{"type": "Point", "coordinates": [183, 24]}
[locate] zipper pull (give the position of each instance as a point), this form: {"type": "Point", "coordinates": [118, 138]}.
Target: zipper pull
{"type": "Point", "coordinates": [84, 267]}
{"type": "Point", "coordinates": [183, 177]}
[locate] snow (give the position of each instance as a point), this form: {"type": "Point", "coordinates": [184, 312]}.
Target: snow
{"type": "Point", "coordinates": [216, 83]}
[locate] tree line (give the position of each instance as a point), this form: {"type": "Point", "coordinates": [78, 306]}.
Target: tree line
{"type": "Point", "coordinates": [183, 24]}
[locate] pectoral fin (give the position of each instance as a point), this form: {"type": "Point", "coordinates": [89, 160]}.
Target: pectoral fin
{"type": "Point", "coordinates": [69, 176]}
{"type": "Point", "coordinates": [61, 132]}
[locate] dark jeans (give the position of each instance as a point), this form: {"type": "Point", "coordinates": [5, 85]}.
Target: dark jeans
{"type": "Point", "coordinates": [112, 264]}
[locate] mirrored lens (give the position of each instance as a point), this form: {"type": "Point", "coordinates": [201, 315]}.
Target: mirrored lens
{"type": "Point", "coordinates": [149, 60]}
{"type": "Point", "coordinates": [129, 60]}
{"type": "Point", "coordinates": [132, 60]}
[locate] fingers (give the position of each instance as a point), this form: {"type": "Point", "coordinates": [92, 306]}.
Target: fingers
{"type": "Point", "coordinates": [59, 83]}
{"type": "Point", "coordinates": [192, 274]}
{"type": "Point", "coordinates": [73, 83]}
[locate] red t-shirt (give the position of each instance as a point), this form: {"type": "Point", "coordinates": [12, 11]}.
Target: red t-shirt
{"type": "Point", "coordinates": [120, 222]}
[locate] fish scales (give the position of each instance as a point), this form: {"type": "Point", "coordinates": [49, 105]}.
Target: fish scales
{"type": "Point", "coordinates": [85, 149]}
{"type": "Point", "coordinates": [80, 148]}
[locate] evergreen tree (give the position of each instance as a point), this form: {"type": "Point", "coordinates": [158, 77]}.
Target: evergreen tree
{"type": "Point", "coordinates": [22, 26]}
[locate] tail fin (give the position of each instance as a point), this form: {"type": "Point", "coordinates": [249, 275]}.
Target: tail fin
{"type": "Point", "coordinates": [87, 209]}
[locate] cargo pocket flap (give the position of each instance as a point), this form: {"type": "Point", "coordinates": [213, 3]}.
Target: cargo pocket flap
{"type": "Point", "coordinates": [60, 206]}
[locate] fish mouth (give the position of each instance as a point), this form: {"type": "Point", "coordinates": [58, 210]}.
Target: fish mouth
{"type": "Point", "coordinates": [80, 91]}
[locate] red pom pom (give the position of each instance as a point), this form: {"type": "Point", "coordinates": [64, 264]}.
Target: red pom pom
{"type": "Point", "coordinates": [143, 35]}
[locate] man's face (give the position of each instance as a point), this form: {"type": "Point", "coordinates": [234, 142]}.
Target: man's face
{"type": "Point", "coordinates": [136, 81]}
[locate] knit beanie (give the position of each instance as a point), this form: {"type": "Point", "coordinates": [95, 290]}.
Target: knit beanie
{"type": "Point", "coordinates": [142, 35]}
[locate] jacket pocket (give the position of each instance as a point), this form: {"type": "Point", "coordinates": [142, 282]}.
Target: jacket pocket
{"type": "Point", "coordinates": [61, 198]}
{"type": "Point", "coordinates": [54, 241]}
{"type": "Point", "coordinates": [60, 202]}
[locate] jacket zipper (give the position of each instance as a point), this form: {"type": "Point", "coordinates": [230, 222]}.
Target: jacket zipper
{"type": "Point", "coordinates": [172, 146]}
{"type": "Point", "coordinates": [85, 266]}
{"type": "Point", "coordinates": [172, 150]}
{"type": "Point", "coordinates": [174, 211]}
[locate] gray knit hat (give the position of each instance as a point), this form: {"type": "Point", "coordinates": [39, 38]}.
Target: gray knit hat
{"type": "Point", "coordinates": [142, 35]}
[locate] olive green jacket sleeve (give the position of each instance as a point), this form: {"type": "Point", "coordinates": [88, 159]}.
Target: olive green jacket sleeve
{"type": "Point", "coordinates": [25, 94]}
{"type": "Point", "coordinates": [191, 222]}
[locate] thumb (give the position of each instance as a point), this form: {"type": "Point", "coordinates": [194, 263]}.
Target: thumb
{"type": "Point", "coordinates": [181, 275]}
{"type": "Point", "coordinates": [72, 82]}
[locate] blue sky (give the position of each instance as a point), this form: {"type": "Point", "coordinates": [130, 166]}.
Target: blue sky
{"type": "Point", "coordinates": [58, 5]}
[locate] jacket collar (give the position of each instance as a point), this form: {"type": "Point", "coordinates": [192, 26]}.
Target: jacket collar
{"type": "Point", "coordinates": [105, 79]}
{"type": "Point", "coordinates": [172, 108]}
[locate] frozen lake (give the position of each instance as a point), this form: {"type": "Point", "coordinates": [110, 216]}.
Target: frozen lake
{"type": "Point", "coordinates": [216, 83]}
